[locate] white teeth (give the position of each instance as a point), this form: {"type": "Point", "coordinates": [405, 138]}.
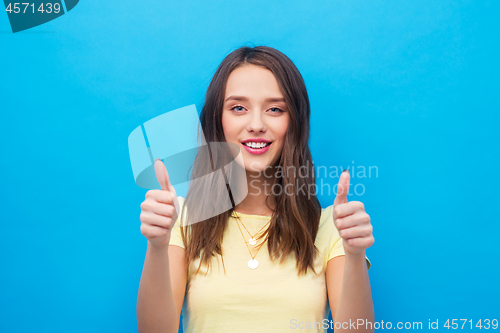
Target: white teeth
{"type": "Point", "coordinates": [256, 144]}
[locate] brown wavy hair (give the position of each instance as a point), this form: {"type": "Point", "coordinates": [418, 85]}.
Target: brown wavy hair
{"type": "Point", "coordinates": [295, 220]}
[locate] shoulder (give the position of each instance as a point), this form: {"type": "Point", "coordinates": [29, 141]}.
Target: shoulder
{"type": "Point", "coordinates": [327, 229]}
{"type": "Point", "coordinates": [328, 236]}
{"type": "Point", "coordinates": [181, 201]}
{"type": "Point", "coordinates": [175, 236]}
{"type": "Point", "coordinates": [326, 220]}
{"type": "Point", "coordinates": [181, 213]}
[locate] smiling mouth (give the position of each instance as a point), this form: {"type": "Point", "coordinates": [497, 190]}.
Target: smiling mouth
{"type": "Point", "coordinates": [257, 145]}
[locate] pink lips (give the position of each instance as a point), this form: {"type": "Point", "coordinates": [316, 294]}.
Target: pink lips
{"type": "Point", "coordinates": [256, 151]}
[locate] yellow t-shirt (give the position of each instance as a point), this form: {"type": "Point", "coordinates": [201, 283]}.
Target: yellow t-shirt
{"type": "Point", "coordinates": [270, 298]}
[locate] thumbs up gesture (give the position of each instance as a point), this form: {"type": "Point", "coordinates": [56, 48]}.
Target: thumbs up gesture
{"type": "Point", "coordinates": [351, 220]}
{"type": "Point", "coordinates": [159, 210]}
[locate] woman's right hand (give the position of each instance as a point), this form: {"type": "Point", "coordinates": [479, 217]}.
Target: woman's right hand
{"type": "Point", "coordinates": [159, 209]}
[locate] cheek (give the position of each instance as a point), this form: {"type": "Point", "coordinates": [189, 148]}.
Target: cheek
{"type": "Point", "coordinates": [225, 126]}
{"type": "Point", "coordinates": [281, 128]}
{"type": "Point", "coordinates": [229, 128]}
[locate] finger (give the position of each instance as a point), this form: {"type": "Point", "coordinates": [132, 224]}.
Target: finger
{"type": "Point", "coordinates": [151, 231]}
{"type": "Point", "coordinates": [159, 196]}
{"type": "Point", "coordinates": [361, 242]}
{"type": "Point", "coordinates": [356, 231]}
{"type": "Point", "coordinates": [155, 219]}
{"type": "Point", "coordinates": [342, 188]}
{"type": "Point", "coordinates": [347, 209]}
{"type": "Point", "coordinates": [164, 210]}
{"type": "Point", "coordinates": [347, 221]}
{"type": "Point", "coordinates": [164, 180]}
{"type": "Point", "coordinates": [162, 175]}
{"type": "Point", "coordinates": [352, 220]}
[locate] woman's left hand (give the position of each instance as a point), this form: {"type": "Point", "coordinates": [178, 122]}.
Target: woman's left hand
{"type": "Point", "coordinates": [351, 220]}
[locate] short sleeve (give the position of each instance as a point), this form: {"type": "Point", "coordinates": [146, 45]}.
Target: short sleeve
{"type": "Point", "coordinates": [336, 246]}
{"type": "Point", "coordinates": [337, 249]}
{"type": "Point", "coordinates": [175, 236]}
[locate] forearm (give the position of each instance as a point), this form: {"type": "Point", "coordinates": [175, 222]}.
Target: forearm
{"type": "Point", "coordinates": [156, 310]}
{"type": "Point", "coordinates": [356, 297]}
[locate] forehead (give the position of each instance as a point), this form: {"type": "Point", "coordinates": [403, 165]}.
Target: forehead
{"type": "Point", "coordinates": [254, 82]}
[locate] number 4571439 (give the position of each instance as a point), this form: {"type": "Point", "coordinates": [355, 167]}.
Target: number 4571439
{"type": "Point", "coordinates": [487, 323]}
{"type": "Point", "coordinates": [30, 8]}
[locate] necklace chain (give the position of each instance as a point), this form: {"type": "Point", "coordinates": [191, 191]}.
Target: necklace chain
{"type": "Point", "coordinates": [252, 263]}
{"type": "Point", "coordinates": [253, 236]}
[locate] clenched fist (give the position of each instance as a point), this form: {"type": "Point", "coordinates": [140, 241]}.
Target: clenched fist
{"type": "Point", "coordinates": [351, 220]}
{"type": "Point", "coordinates": [159, 209]}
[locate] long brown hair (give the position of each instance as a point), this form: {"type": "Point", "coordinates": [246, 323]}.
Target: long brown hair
{"type": "Point", "coordinates": [295, 220]}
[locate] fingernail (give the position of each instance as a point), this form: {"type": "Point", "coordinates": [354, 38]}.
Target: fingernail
{"type": "Point", "coordinates": [345, 170]}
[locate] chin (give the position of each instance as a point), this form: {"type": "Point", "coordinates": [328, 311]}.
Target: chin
{"type": "Point", "coordinates": [254, 166]}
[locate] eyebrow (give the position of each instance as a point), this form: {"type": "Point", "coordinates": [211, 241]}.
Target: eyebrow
{"type": "Point", "coordinates": [243, 98]}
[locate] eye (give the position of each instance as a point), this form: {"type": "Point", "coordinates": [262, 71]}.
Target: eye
{"type": "Point", "coordinates": [276, 110]}
{"type": "Point", "coordinates": [238, 106]}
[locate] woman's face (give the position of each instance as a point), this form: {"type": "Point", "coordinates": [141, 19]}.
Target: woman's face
{"type": "Point", "coordinates": [255, 114]}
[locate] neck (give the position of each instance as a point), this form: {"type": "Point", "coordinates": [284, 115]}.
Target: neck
{"type": "Point", "coordinates": [259, 187]}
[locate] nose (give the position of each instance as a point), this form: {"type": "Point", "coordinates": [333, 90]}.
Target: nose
{"type": "Point", "coordinates": [256, 123]}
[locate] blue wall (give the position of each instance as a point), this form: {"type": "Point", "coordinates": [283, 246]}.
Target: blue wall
{"type": "Point", "coordinates": [410, 87]}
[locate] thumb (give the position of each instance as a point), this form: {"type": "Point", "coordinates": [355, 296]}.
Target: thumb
{"type": "Point", "coordinates": [163, 179]}
{"type": "Point", "coordinates": [342, 188]}
{"type": "Point", "coordinates": [162, 175]}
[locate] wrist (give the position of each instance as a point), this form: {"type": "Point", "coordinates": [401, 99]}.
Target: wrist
{"type": "Point", "coordinates": [159, 248]}
{"type": "Point", "coordinates": [355, 256]}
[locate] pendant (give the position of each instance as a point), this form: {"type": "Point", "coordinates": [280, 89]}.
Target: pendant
{"type": "Point", "coordinates": [253, 263]}
{"type": "Point", "coordinates": [252, 241]}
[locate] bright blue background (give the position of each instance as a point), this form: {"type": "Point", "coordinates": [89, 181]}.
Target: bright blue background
{"type": "Point", "coordinates": [408, 86]}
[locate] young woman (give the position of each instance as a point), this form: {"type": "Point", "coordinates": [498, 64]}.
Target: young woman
{"type": "Point", "coordinates": [275, 262]}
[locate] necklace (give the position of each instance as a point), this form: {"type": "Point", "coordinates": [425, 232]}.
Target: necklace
{"type": "Point", "coordinates": [252, 263]}
{"type": "Point", "coordinates": [252, 241]}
